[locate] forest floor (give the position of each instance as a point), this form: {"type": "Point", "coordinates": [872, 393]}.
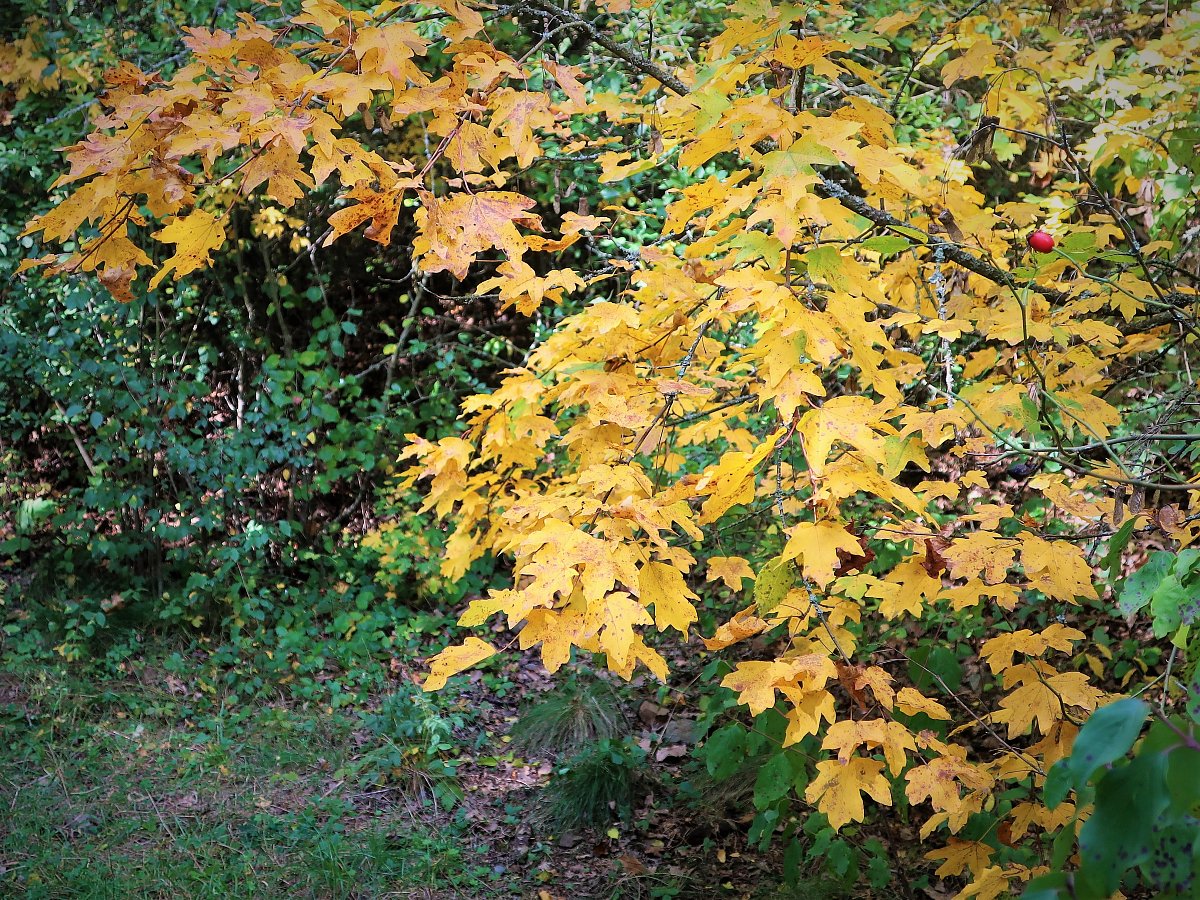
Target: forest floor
{"type": "Point", "coordinates": [141, 785]}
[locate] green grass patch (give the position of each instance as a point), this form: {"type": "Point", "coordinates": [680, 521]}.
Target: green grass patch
{"type": "Point", "coordinates": [120, 789]}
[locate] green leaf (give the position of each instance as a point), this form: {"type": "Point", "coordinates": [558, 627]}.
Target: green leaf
{"type": "Point", "coordinates": [30, 512]}
{"type": "Point", "coordinates": [1165, 603]}
{"type": "Point", "coordinates": [773, 781]}
{"type": "Point", "coordinates": [1183, 781]}
{"type": "Point", "coordinates": [1116, 837]}
{"type": "Point", "coordinates": [1063, 846]}
{"type": "Point", "coordinates": [1116, 546]}
{"type": "Point", "coordinates": [774, 581]}
{"type": "Point", "coordinates": [1060, 781]}
{"type": "Point", "coordinates": [1191, 703]}
{"type": "Point", "coordinates": [724, 751]}
{"type": "Point", "coordinates": [1172, 864]}
{"type": "Point", "coordinates": [1054, 886]}
{"type": "Point", "coordinates": [1107, 736]}
{"type": "Point", "coordinates": [886, 244]}
{"type": "Point", "coordinates": [1140, 586]}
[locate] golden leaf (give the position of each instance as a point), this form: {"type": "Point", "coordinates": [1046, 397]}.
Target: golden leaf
{"type": "Point", "coordinates": [196, 236]}
{"type": "Point", "coordinates": [838, 788]}
{"type": "Point", "coordinates": [456, 659]}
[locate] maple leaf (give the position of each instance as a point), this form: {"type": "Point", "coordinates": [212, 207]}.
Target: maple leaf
{"type": "Point", "coordinates": [732, 570]}
{"type": "Point", "coordinates": [806, 713]}
{"type": "Point", "coordinates": [817, 544]}
{"type": "Point", "coordinates": [519, 113]}
{"type": "Point", "coordinates": [389, 50]}
{"type": "Point", "coordinates": [990, 884]}
{"type": "Point", "coordinates": [849, 419]}
{"type": "Point", "coordinates": [911, 702]}
{"type": "Point", "coordinates": [999, 651]}
{"type": "Point", "coordinates": [979, 56]}
{"type": "Point", "coordinates": [756, 682]}
{"type": "Point", "coordinates": [906, 589]}
{"type": "Point", "coordinates": [568, 79]}
{"type": "Point", "coordinates": [620, 613]}
{"type": "Point", "coordinates": [662, 586]}
{"type": "Point", "coordinates": [454, 230]}
{"type": "Point", "coordinates": [941, 781]}
{"type": "Point", "coordinates": [730, 482]}
{"type": "Point", "coordinates": [981, 553]}
{"type": "Point", "coordinates": [880, 682]}
{"type": "Point", "coordinates": [742, 625]}
{"type": "Point", "coordinates": [456, 659]}
{"type": "Point", "coordinates": [960, 855]}
{"type": "Point", "coordinates": [839, 786]}
{"type": "Point", "coordinates": [1056, 568]}
{"type": "Point", "coordinates": [195, 236]}
{"type": "Point", "coordinates": [119, 279]}
{"type": "Point", "coordinates": [90, 202]}
{"type": "Point", "coordinates": [279, 166]}
{"type": "Point", "coordinates": [382, 208]}
{"type": "Point", "coordinates": [889, 736]}
{"type": "Point", "coordinates": [1043, 699]}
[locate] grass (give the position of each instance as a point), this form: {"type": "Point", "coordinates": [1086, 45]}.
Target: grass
{"type": "Point", "coordinates": [570, 718]}
{"type": "Point", "coordinates": [597, 785]}
{"type": "Point", "coordinates": [122, 789]}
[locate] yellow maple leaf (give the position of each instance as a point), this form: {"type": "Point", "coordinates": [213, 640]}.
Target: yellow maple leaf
{"type": "Point", "coordinates": [906, 589]}
{"type": "Point", "coordinates": [999, 651]}
{"type": "Point", "coordinates": [816, 545]}
{"type": "Point", "coordinates": [880, 682]}
{"type": "Point", "coordinates": [451, 231]}
{"type": "Point", "coordinates": [960, 855]}
{"type": "Point", "coordinates": [889, 736]}
{"type": "Point", "coordinates": [195, 236]}
{"type": "Point", "coordinates": [981, 553]}
{"type": "Point", "coordinates": [279, 166]}
{"type": "Point", "coordinates": [941, 781]}
{"type": "Point", "coordinates": [730, 482]}
{"type": "Point", "coordinates": [755, 682]}
{"type": "Point", "coordinates": [620, 613]}
{"type": "Point", "coordinates": [806, 713]}
{"type": "Point", "coordinates": [381, 207]}
{"type": "Point", "coordinates": [729, 569]}
{"type": "Point", "coordinates": [911, 702]}
{"type": "Point", "coordinates": [662, 586]}
{"type": "Point", "coordinates": [1043, 698]}
{"type": "Point", "coordinates": [455, 659]}
{"type": "Point", "coordinates": [1057, 568]}
{"type": "Point", "coordinates": [981, 53]}
{"type": "Point", "coordinates": [742, 625]}
{"type": "Point", "coordinates": [849, 419]}
{"type": "Point", "coordinates": [838, 788]}
{"type": "Point", "coordinates": [991, 883]}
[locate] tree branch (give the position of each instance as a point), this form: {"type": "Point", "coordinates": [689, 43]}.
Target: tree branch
{"type": "Point", "coordinates": [631, 57]}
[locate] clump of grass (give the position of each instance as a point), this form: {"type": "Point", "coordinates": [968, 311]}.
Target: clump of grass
{"type": "Point", "coordinates": [598, 784]}
{"type": "Point", "coordinates": [569, 719]}
{"type": "Point", "coordinates": [717, 807]}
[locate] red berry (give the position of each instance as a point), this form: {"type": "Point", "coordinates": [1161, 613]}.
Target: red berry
{"type": "Point", "coordinates": [1041, 241]}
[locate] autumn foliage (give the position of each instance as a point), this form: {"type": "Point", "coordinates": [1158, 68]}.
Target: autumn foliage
{"type": "Point", "coordinates": [837, 341]}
